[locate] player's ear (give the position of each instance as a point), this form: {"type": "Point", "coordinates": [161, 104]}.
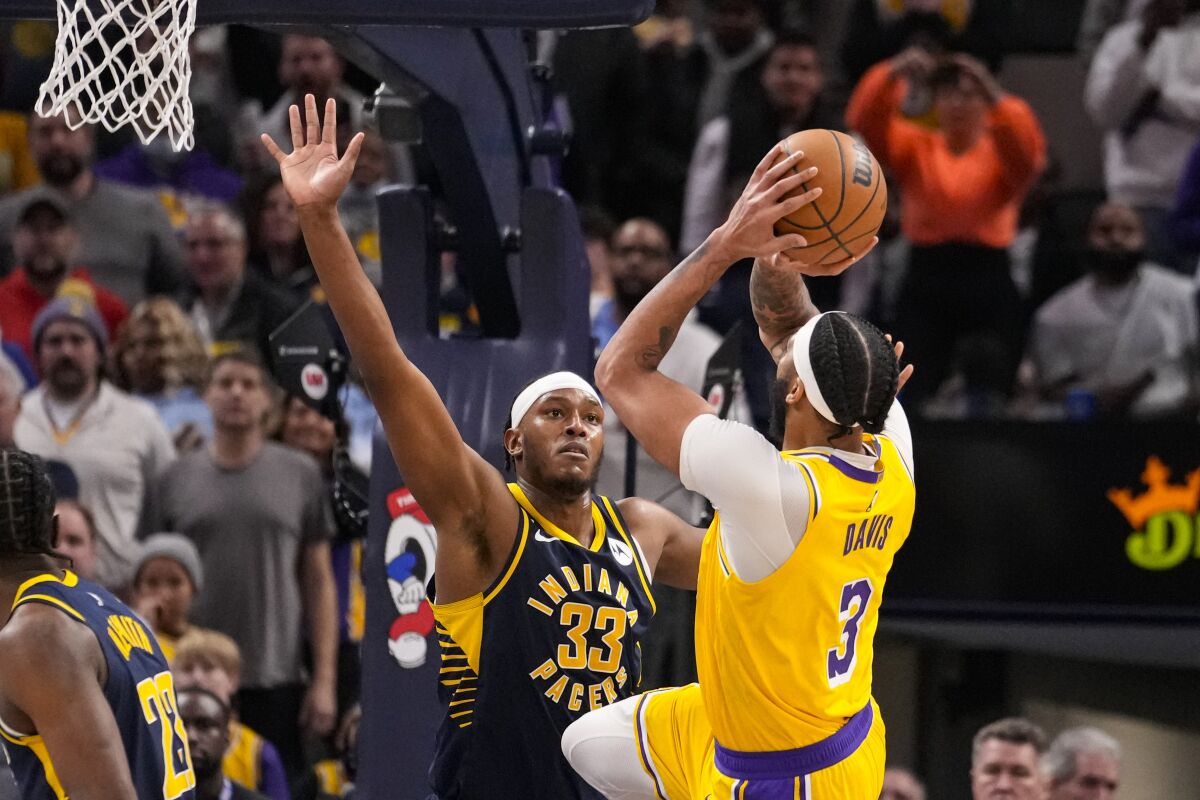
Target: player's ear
{"type": "Point", "coordinates": [795, 392]}
{"type": "Point", "coordinates": [512, 442]}
{"type": "Point", "coordinates": [54, 532]}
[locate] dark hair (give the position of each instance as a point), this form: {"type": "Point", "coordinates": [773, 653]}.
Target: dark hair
{"type": "Point", "coordinates": [793, 37]}
{"type": "Point", "coordinates": [596, 223]}
{"type": "Point", "coordinates": [26, 504]}
{"type": "Point", "coordinates": [252, 202]}
{"type": "Point", "coordinates": [856, 370]}
{"type": "Point", "coordinates": [946, 74]}
{"type": "Point", "coordinates": [1013, 730]}
{"type": "Point", "coordinates": [89, 518]}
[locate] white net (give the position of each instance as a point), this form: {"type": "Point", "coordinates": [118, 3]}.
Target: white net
{"type": "Point", "coordinates": [123, 62]}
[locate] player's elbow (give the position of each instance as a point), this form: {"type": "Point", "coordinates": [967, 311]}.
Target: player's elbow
{"type": "Point", "coordinates": [609, 375]}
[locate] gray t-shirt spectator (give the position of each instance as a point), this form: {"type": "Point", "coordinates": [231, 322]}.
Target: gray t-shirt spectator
{"type": "Point", "coordinates": [116, 447]}
{"type": "Point", "coordinates": [251, 526]}
{"type": "Point", "coordinates": [125, 239]}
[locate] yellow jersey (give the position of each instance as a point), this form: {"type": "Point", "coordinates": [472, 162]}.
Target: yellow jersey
{"type": "Point", "coordinates": [786, 660]}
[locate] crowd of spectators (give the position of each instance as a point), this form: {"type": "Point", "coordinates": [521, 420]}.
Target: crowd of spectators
{"type": "Point", "coordinates": [138, 287]}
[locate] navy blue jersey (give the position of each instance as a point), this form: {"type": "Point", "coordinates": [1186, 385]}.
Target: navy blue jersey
{"type": "Point", "coordinates": [139, 689]}
{"type": "Point", "coordinates": [555, 636]}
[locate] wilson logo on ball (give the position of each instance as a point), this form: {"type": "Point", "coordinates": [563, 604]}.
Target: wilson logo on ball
{"type": "Point", "coordinates": [862, 165]}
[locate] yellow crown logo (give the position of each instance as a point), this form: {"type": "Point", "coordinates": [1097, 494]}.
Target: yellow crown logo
{"type": "Point", "coordinates": [1161, 495]}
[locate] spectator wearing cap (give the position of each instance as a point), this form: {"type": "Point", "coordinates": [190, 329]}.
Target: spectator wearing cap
{"type": "Point", "coordinates": [166, 579]}
{"type": "Point", "coordinates": [44, 244]}
{"type": "Point", "coordinates": [125, 237]}
{"type": "Point", "coordinates": [115, 443]}
{"type": "Point", "coordinates": [76, 536]}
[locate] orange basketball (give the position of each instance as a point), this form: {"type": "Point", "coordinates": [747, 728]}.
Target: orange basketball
{"type": "Point", "coordinates": [842, 221]}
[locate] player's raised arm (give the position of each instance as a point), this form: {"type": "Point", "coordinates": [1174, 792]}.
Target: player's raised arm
{"type": "Point", "coordinates": [781, 303]}
{"type": "Point", "coordinates": [455, 486]}
{"type": "Point", "coordinates": [52, 670]}
{"type": "Point", "coordinates": [654, 408]}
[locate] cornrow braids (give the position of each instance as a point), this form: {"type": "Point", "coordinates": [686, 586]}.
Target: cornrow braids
{"type": "Point", "coordinates": [26, 504]}
{"type": "Point", "coordinates": [857, 371]}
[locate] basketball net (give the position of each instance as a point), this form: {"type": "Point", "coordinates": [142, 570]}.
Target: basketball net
{"type": "Point", "coordinates": [123, 62]}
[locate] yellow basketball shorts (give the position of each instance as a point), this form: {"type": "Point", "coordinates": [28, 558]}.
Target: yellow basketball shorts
{"type": "Point", "coordinates": [677, 749]}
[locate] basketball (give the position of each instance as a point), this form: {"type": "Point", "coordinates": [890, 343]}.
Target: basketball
{"type": "Point", "coordinates": [842, 221]}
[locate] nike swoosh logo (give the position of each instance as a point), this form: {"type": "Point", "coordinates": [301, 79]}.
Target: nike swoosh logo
{"type": "Point", "coordinates": [541, 537]}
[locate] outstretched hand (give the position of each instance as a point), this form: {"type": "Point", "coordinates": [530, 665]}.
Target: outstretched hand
{"type": "Point", "coordinates": [749, 230]}
{"type": "Point", "coordinates": [313, 174]}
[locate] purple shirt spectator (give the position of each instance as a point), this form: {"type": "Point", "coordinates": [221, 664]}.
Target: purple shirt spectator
{"type": "Point", "coordinates": [195, 174]}
{"type": "Point", "coordinates": [1185, 216]}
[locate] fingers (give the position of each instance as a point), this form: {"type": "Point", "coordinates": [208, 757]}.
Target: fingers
{"type": "Point", "coordinates": [765, 164]}
{"type": "Point", "coordinates": [310, 119]}
{"type": "Point", "coordinates": [329, 134]}
{"type": "Point", "coordinates": [794, 204]}
{"type": "Point", "coordinates": [775, 174]}
{"type": "Point", "coordinates": [297, 131]}
{"type": "Point", "coordinates": [791, 183]}
{"type": "Point", "coordinates": [350, 157]}
{"type": "Point", "coordinates": [905, 374]}
{"type": "Point", "coordinates": [273, 148]}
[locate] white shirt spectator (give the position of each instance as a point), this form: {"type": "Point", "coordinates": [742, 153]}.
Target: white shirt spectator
{"type": "Point", "coordinates": [116, 447]}
{"type": "Point", "coordinates": [1110, 335]}
{"type": "Point", "coordinates": [1142, 168]}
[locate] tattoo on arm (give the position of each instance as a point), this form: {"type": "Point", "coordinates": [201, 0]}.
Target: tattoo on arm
{"type": "Point", "coordinates": [781, 305]}
{"type": "Point", "coordinates": [652, 356]}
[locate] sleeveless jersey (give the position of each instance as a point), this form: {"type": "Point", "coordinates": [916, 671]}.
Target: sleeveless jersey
{"type": "Point", "coordinates": [554, 637]}
{"type": "Point", "coordinates": [139, 689]}
{"type": "Point", "coordinates": [785, 661]}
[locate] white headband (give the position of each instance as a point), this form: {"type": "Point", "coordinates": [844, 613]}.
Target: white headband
{"type": "Point", "coordinates": [801, 342]}
{"type": "Point", "coordinates": [545, 384]}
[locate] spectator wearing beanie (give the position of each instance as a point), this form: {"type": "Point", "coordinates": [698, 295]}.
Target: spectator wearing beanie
{"type": "Point", "coordinates": [166, 579]}
{"type": "Point", "coordinates": [114, 443]}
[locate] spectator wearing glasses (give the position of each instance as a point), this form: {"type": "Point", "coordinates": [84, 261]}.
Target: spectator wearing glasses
{"type": "Point", "coordinates": [228, 303]}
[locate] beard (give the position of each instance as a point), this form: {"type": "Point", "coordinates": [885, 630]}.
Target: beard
{"type": "Point", "coordinates": [628, 293]}
{"type": "Point", "coordinates": [563, 485]}
{"type": "Point", "coordinates": [66, 378]}
{"type": "Point", "coordinates": [46, 267]}
{"type": "Point", "coordinates": [778, 400]}
{"type": "Point", "coordinates": [60, 170]}
{"type": "Point", "coordinates": [1114, 265]}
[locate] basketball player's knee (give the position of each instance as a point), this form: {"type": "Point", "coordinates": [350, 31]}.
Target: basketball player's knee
{"type": "Point", "coordinates": [601, 748]}
{"type": "Point", "coordinates": [581, 741]}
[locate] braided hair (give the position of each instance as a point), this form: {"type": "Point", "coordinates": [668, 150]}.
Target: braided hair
{"type": "Point", "coordinates": [26, 504]}
{"type": "Point", "coordinates": [856, 369]}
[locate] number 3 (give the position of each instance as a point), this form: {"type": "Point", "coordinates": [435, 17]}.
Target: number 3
{"type": "Point", "coordinates": [158, 705]}
{"type": "Point", "coordinates": [843, 658]}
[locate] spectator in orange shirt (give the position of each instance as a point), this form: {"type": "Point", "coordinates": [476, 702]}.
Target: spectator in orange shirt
{"type": "Point", "coordinates": [44, 243]}
{"type": "Point", "coordinates": [962, 185]}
